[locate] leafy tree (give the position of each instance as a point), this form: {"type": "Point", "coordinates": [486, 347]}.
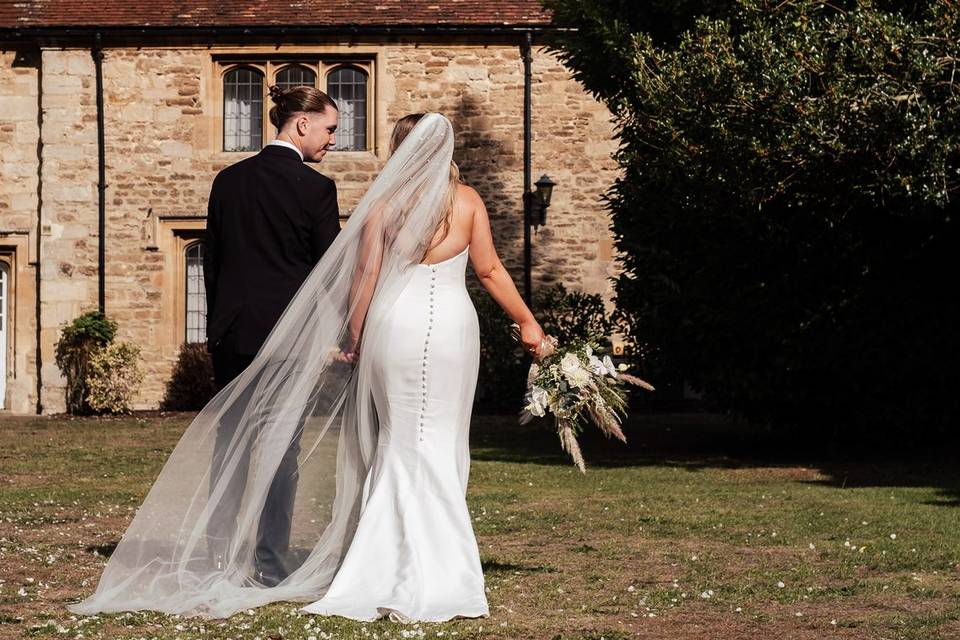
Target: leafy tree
{"type": "Point", "coordinates": [786, 213]}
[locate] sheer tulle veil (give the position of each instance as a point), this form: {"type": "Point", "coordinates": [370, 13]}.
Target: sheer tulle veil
{"type": "Point", "coordinates": [176, 555]}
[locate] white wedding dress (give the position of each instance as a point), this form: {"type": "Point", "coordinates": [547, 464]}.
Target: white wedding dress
{"type": "Point", "coordinates": [414, 555]}
{"type": "Point", "coordinates": [379, 520]}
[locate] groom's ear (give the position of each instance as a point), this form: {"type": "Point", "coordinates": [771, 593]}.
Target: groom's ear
{"type": "Point", "coordinates": [303, 121]}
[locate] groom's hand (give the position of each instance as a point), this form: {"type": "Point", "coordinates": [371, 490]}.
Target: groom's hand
{"type": "Point", "coordinates": [349, 350]}
{"type": "Point", "coordinates": [345, 356]}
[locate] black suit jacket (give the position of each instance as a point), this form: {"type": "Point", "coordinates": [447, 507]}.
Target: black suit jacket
{"type": "Point", "coordinates": [269, 220]}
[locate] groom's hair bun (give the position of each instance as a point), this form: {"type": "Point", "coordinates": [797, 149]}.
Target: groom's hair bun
{"type": "Point", "coordinates": [289, 102]}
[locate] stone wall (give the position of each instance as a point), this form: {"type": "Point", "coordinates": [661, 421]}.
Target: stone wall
{"type": "Point", "coordinates": [481, 89]}
{"type": "Point", "coordinates": [68, 245]}
{"type": "Point", "coordinates": [18, 140]}
{"type": "Point", "coordinates": [162, 118]}
{"type": "Point", "coordinates": [19, 134]}
{"type": "Point", "coordinates": [159, 163]}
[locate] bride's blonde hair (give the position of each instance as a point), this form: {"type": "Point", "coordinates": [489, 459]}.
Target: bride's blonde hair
{"type": "Point", "coordinates": [400, 131]}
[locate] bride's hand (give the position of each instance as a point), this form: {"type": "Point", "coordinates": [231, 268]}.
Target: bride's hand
{"type": "Point", "coordinates": [531, 336]}
{"type": "Point", "coordinates": [349, 352]}
{"type": "Point", "coordinates": [346, 356]}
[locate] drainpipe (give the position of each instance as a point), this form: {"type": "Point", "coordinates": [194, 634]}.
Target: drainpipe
{"type": "Point", "coordinates": [101, 175]}
{"type": "Point", "coordinates": [39, 233]}
{"type": "Point", "coordinates": [527, 214]}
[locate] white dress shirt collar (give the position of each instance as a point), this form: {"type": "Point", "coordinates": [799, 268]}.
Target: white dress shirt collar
{"type": "Point", "coordinates": [284, 143]}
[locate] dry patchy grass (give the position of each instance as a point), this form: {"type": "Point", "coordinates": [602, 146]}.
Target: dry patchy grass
{"type": "Point", "coordinates": [652, 543]}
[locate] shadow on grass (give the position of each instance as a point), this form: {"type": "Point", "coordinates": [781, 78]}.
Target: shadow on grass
{"type": "Point", "coordinates": [493, 565]}
{"type": "Point", "coordinates": [696, 441]}
{"type": "Point", "coordinates": [105, 550]}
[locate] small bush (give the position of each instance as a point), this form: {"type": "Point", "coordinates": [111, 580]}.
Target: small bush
{"type": "Point", "coordinates": [191, 384]}
{"type": "Point", "coordinates": [500, 382]}
{"type": "Point", "coordinates": [568, 315]}
{"type": "Point", "coordinates": [572, 315]}
{"type": "Point", "coordinates": [78, 342]}
{"type": "Point", "coordinates": [113, 377]}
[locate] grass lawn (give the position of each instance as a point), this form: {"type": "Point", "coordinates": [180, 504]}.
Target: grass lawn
{"type": "Point", "coordinates": [697, 529]}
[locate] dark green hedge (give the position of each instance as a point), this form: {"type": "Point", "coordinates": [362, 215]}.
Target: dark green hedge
{"type": "Point", "coordinates": [787, 208]}
{"type": "Point", "coordinates": [565, 314]}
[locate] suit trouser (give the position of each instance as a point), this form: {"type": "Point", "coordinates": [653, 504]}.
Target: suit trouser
{"type": "Point", "coordinates": [273, 532]}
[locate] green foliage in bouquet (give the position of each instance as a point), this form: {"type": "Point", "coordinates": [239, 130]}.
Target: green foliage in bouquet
{"type": "Point", "coordinates": [114, 377]}
{"type": "Point", "coordinates": [191, 384]}
{"type": "Point", "coordinates": [576, 386]}
{"type": "Point", "coordinates": [79, 341]}
{"type": "Point", "coordinates": [788, 201]}
{"type": "Point", "coordinates": [568, 315]}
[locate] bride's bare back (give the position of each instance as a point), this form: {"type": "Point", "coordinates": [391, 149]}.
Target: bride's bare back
{"type": "Point", "coordinates": [470, 227]}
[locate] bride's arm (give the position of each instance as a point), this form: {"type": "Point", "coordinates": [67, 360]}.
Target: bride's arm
{"type": "Point", "coordinates": [365, 275]}
{"type": "Point", "coordinates": [495, 278]}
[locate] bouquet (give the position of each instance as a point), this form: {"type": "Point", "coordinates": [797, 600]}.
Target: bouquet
{"type": "Point", "coordinates": [574, 384]}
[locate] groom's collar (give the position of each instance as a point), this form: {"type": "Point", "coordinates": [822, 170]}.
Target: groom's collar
{"type": "Point", "coordinates": [284, 144]}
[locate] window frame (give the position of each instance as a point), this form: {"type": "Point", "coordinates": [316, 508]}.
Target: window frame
{"type": "Point", "coordinates": [330, 70]}
{"type": "Point", "coordinates": [170, 235]}
{"type": "Point", "coordinates": [322, 64]}
{"type": "Point", "coordinates": [189, 242]}
{"type": "Point", "coordinates": [264, 110]}
{"type": "Point", "coordinates": [7, 330]}
{"type": "Point", "coordinates": [280, 68]}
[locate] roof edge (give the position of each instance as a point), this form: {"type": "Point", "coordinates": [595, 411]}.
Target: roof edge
{"type": "Point", "coordinates": [167, 30]}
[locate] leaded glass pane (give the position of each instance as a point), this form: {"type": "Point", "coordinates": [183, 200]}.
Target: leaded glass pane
{"type": "Point", "coordinates": [348, 87]}
{"type": "Point", "coordinates": [296, 76]}
{"type": "Point", "coordinates": [242, 110]}
{"type": "Point", "coordinates": [196, 302]}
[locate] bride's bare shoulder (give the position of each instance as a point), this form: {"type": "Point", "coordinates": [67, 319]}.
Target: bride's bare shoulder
{"type": "Point", "coordinates": [468, 196]}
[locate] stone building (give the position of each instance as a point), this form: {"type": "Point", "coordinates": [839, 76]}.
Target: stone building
{"type": "Point", "coordinates": [182, 94]}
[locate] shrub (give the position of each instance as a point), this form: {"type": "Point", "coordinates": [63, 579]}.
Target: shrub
{"type": "Point", "coordinates": [787, 203]}
{"type": "Point", "coordinates": [501, 378]}
{"type": "Point", "coordinates": [568, 315]}
{"type": "Point", "coordinates": [79, 341]}
{"type": "Point", "coordinates": [191, 384]}
{"type": "Point", "coordinates": [113, 377]}
{"type": "Point", "coordinates": [572, 315]}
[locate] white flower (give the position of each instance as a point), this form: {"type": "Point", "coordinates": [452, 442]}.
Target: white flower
{"type": "Point", "coordinates": [537, 401]}
{"type": "Point", "coordinates": [596, 366]}
{"type": "Point", "coordinates": [570, 362]}
{"type": "Point", "coordinates": [573, 370]}
{"type": "Point", "coordinates": [608, 365]}
{"type": "Point", "coordinates": [533, 373]}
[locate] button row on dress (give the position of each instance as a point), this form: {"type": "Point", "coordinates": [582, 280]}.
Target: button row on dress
{"type": "Point", "coordinates": [426, 348]}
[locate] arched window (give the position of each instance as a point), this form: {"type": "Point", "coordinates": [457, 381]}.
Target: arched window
{"type": "Point", "coordinates": [242, 110]}
{"type": "Point", "coordinates": [296, 76]}
{"type": "Point", "coordinates": [196, 295]}
{"type": "Point", "coordinates": [348, 87]}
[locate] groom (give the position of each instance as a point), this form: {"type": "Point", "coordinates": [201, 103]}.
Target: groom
{"type": "Point", "coordinates": [270, 218]}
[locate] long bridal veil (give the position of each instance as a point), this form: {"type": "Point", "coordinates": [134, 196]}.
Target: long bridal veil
{"type": "Point", "coordinates": [191, 546]}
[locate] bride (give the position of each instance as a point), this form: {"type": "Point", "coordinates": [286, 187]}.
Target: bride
{"type": "Point", "coordinates": [373, 365]}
